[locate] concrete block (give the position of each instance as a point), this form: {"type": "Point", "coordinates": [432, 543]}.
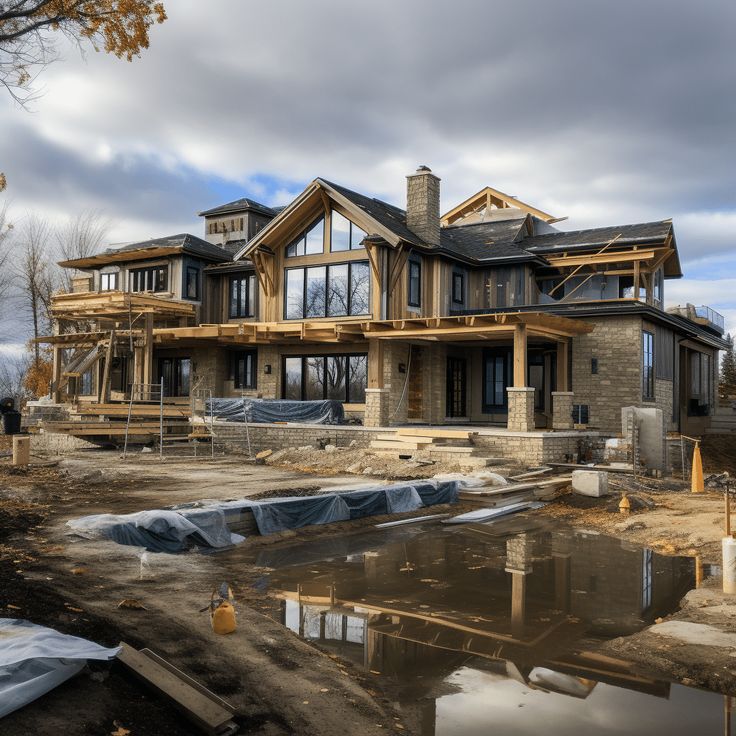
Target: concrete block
{"type": "Point", "coordinates": [590, 483]}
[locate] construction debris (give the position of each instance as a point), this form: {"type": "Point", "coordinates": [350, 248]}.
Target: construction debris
{"type": "Point", "coordinates": [590, 483]}
{"type": "Point", "coordinates": [206, 710]}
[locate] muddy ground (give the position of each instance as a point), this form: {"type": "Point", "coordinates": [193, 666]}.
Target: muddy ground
{"type": "Point", "coordinates": [279, 684]}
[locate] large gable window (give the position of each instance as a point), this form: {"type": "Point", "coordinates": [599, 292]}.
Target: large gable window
{"type": "Point", "coordinates": [337, 290]}
{"type": "Point", "coordinates": [345, 235]}
{"type": "Point", "coordinates": [310, 242]}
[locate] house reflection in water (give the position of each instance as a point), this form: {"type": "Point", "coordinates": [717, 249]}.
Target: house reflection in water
{"type": "Point", "coordinates": [528, 606]}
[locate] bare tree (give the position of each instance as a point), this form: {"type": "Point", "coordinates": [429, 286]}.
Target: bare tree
{"type": "Point", "coordinates": [13, 371]}
{"type": "Point", "coordinates": [35, 274]}
{"type": "Point", "coordinates": [81, 237]}
{"type": "Point", "coordinates": [27, 29]}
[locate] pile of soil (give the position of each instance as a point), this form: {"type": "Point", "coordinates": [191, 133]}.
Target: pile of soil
{"type": "Point", "coordinates": [359, 461]}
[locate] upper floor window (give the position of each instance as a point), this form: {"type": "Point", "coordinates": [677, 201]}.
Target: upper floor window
{"type": "Point", "coordinates": [345, 235]}
{"type": "Point", "coordinates": [415, 283]}
{"type": "Point", "coordinates": [153, 278]}
{"type": "Point", "coordinates": [109, 281]}
{"type": "Point", "coordinates": [658, 286]}
{"type": "Point", "coordinates": [458, 288]}
{"type": "Point", "coordinates": [647, 358]}
{"type": "Point", "coordinates": [310, 242]}
{"type": "Point", "coordinates": [242, 296]}
{"type": "Point", "coordinates": [337, 290]}
{"type": "Point", "coordinates": [191, 283]}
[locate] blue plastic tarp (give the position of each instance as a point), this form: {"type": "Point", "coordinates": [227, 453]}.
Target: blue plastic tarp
{"type": "Point", "coordinates": [279, 515]}
{"type": "Point", "coordinates": [35, 660]}
{"type": "Point", "coordinates": [260, 411]}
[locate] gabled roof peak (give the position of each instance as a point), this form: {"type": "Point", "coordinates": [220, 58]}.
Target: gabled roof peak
{"type": "Point", "coordinates": [485, 203]}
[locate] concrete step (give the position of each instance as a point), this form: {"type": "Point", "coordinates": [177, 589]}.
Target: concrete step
{"type": "Point", "coordinates": [448, 434]}
{"type": "Point", "coordinates": [398, 446]}
{"type": "Point", "coordinates": [406, 439]}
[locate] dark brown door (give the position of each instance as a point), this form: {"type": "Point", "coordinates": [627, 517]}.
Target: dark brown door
{"type": "Point", "coordinates": [457, 374]}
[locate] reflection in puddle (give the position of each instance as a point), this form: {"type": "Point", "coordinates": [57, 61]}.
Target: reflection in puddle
{"type": "Point", "coordinates": [495, 627]}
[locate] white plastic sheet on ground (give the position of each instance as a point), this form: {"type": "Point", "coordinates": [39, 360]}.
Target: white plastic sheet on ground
{"type": "Point", "coordinates": [35, 660]}
{"type": "Point", "coordinates": [160, 530]}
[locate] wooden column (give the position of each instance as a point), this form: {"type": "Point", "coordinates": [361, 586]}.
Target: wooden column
{"type": "Point", "coordinates": [375, 364]}
{"type": "Point", "coordinates": [520, 344]}
{"type": "Point", "coordinates": [56, 375]}
{"type": "Point", "coordinates": [637, 279]}
{"type": "Point", "coordinates": [148, 351]}
{"type": "Point", "coordinates": [563, 358]}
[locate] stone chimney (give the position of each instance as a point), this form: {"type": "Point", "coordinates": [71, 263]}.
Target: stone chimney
{"type": "Point", "coordinates": [423, 205]}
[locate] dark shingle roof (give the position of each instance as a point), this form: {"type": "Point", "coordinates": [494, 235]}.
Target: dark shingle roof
{"type": "Point", "coordinates": [598, 237]}
{"type": "Point", "coordinates": [188, 243]}
{"type": "Point", "coordinates": [486, 241]}
{"type": "Point", "coordinates": [239, 205]}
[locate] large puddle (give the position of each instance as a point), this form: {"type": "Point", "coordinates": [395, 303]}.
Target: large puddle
{"type": "Point", "coordinates": [491, 629]}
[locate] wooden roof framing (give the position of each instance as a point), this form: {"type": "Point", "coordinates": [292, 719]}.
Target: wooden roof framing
{"type": "Point", "coordinates": [488, 198]}
{"type": "Point", "coordinates": [115, 305]}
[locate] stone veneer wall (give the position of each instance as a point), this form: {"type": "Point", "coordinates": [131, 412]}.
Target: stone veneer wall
{"type": "Point", "coordinates": [527, 448]}
{"type": "Point", "coordinates": [616, 343]}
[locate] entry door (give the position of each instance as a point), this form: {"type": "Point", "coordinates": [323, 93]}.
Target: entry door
{"type": "Point", "coordinates": [457, 373]}
{"type": "Point", "coordinates": [175, 373]}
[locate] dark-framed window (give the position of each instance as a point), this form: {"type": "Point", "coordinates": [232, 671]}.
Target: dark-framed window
{"type": "Point", "coordinates": [701, 384]}
{"type": "Point", "coordinates": [152, 278]}
{"type": "Point", "coordinates": [496, 374]}
{"type": "Point", "coordinates": [242, 296]}
{"type": "Point", "coordinates": [415, 283]}
{"type": "Point", "coordinates": [243, 365]}
{"type": "Point", "coordinates": [109, 281]}
{"type": "Point", "coordinates": [176, 375]}
{"type": "Point", "coordinates": [344, 234]}
{"type": "Point", "coordinates": [458, 288]}
{"type": "Point", "coordinates": [647, 361]}
{"type": "Point", "coordinates": [336, 290]}
{"type": "Point", "coordinates": [319, 377]}
{"type": "Point", "coordinates": [191, 283]}
{"type": "Point", "coordinates": [310, 241]}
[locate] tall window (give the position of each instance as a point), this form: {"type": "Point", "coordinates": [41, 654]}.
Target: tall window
{"type": "Point", "coordinates": [658, 287]}
{"type": "Point", "coordinates": [191, 283]}
{"type": "Point", "coordinates": [415, 282]}
{"type": "Point", "coordinates": [108, 281]}
{"type": "Point", "coordinates": [345, 235]}
{"type": "Point", "coordinates": [337, 290]}
{"type": "Point", "coordinates": [701, 384]}
{"type": "Point", "coordinates": [496, 372]}
{"type": "Point", "coordinates": [243, 368]}
{"type": "Point", "coordinates": [458, 288]}
{"type": "Point", "coordinates": [153, 278]}
{"type": "Point", "coordinates": [318, 377]}
{"type": "Point", "coordinates": [310, 242]}
{"type": "Point", "coordinates": [647, 358]}
{"type": "Point", "coordinates": [242, 296]}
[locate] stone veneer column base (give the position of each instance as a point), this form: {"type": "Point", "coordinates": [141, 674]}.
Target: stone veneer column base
{"type": "Point", "coordinates": [376, 407]}
{"type": "Point", "coordinates": [562, 402]}
{"type": "Point", "coordinates": [521, 409]}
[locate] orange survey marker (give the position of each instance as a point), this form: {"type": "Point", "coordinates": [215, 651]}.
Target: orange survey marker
{"type": "Point", "coordinates": [222, 610]}
{"type": "Point", "coordinates": [697, 485]}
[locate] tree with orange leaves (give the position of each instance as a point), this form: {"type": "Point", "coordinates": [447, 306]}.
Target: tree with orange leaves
{"type": "Point", "coordinates": [119, 27]}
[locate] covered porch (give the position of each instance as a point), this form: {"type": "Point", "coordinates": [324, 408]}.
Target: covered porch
{"type": "Point", "coordinates": [508, 370]}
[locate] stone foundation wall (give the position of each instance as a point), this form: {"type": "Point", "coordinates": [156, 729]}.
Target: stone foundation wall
{"type": "Point", "coordinates": [539, 448]}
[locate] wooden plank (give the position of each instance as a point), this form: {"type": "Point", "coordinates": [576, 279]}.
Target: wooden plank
{"type": "Point", "coordinates": [199, 705]}
{"type": "Point", "coordinates": [450, 434]}
{"type": "Point", "coordinates": [563, 350]}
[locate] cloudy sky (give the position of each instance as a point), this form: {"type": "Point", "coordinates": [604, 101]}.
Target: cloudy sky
{"type": "Point", "coordinates": [608, 113]}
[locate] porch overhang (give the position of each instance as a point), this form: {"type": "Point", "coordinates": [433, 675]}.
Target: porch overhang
{"type": "Point", "coordinates": [494, 325]}
{"type": "Point", "coordinates": [115, 305]}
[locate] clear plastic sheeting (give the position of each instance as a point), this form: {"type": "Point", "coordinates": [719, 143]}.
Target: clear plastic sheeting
{"type": "Point", "coordinates": [160, 530]}
{"type": "Point", "coordinates": [266, 411]}
{"type": "Point", "coordinates": [34, 660]}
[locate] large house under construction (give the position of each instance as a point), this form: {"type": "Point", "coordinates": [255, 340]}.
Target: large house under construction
{"type": "Point", "coordinates": [490, 314]}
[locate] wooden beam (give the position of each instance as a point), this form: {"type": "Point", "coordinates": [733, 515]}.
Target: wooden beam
{"type": "Point", "coordinates": [593, 260]}
{"type": "Point", "coordinates": [148, 350]}
{"type": "Point", "coordinates": [104, 392]}
{"type": "Point", "coordinates": [375, 364]}
{"type": "Point", "coordinates": [574, 271]}
{"type": "Point", "coordinates": [398, 266]}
